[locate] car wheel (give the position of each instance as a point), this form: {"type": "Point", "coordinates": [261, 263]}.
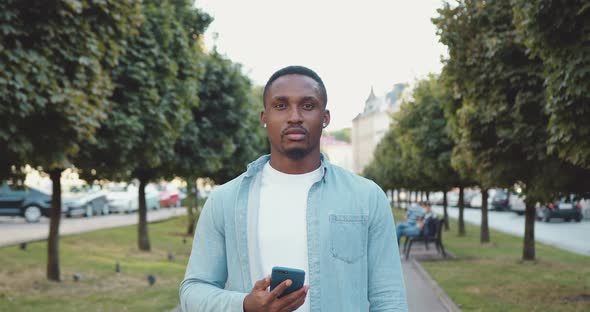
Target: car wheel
{"type": "Point", "coordinates": [32, 214]}
{"type": "Point", "coordinates": [546, 218]}
{"type": "Point", "coordinates": [567, 219]}
{"type": "Point", "coordinates": [89, 210]}
{"type": "Point", "coordinates": [578, 219]}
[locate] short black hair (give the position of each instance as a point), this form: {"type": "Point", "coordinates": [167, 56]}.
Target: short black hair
{"type": "Point", "coordinates": [296, 70]}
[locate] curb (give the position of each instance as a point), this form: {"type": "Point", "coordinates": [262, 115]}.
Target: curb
{"type": "Point", "coordinates": [442, 295]}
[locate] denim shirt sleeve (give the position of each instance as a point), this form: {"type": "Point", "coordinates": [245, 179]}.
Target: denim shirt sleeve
{"type": "Point", "coordinates": [387, 290]}
{"type": "Point", "coordinates": [203, 286]}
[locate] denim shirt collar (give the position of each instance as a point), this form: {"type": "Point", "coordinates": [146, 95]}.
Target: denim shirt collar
{"type": "Point", "coordinates": [257, 165]}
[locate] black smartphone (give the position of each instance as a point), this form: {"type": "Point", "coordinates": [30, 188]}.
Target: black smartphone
{"type": "Point", "coordinates": [280, 274]}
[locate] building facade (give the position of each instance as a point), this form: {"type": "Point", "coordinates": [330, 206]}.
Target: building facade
{"type": "Point", "coordinates": [369, 127]}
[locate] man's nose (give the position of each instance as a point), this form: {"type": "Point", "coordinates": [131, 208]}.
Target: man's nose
{"type": "Point", "coordinates": [295, 115]}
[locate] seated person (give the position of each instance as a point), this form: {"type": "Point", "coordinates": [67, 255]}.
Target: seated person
{"type": "Point", "coordinates": [415, 220]}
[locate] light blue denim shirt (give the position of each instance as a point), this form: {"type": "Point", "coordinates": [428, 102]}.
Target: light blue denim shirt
{"type": "Point", "coordinates": [354, 262]}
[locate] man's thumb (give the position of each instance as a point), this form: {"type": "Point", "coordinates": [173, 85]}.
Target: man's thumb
{"type": "Point", "coordinates": [262, 284]}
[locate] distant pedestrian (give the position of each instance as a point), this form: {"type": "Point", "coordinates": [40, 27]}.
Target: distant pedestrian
{"type": "Point", "coordinates": [292, 208]}
{"type": "Point", "coordinates": [415, 219]}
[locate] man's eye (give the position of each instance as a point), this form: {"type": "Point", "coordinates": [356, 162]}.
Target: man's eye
{"type": "Point", "coordinates": [280, 105]}
{"type": "Point", "coordinates": [307, 106]}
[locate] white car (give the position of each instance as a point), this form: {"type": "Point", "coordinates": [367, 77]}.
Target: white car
{"type": "Point", "coordinates": [516, 203]}
{"type": "Point", "coordinates": [453, 199]}
{"type": "Point", "coordinates": [124, 198]}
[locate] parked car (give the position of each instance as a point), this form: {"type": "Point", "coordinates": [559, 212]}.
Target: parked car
{"type": "Point", "coordinates": [24, 201]}
{"type": "Point", "coordinates": [453, 199]}
{"type": "Point", "coordinates": [152, 197]}
{"type": "Point", "coordinates": [467, 197]}
{"type": "Point", "coordinates": [87, 201]}
{"type": "Point", "coordinates": [437, 198]}
{"type": "Point", "coordinates": [476, 201]}
{"type": "Point", "coordinates": [499, 200]}
{"type": "Point", "coordinates": [169, 195]}
{"type": "Point", "coordinates": [566, 208]}
{"type": "Point", "coordinates": [516, 203]}
{"type": "Point", "coordinates": [122, 198]}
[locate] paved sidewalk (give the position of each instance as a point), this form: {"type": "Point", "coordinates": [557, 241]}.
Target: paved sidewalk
{"type": "Point", "coordinates": [422, 292]}
{"type": "Point", "coordinates": [17, 231]}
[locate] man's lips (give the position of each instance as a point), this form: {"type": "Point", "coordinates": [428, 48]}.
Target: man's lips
{"type": "Point", "coordinates": [295, 134]}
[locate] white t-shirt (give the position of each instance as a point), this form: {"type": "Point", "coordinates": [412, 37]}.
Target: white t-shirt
{"type": "Point", "coordinates": [282, 220]}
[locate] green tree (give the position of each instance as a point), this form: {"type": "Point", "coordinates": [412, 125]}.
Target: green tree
{"type": "Point", "coordinates": [342, 134]}
{"type": "Point", "coordinates": [157, 84]}
{"type": "Point", "coordinates": [55, 64]}
{"type": "Point", "coordinates": [224, 131]}
{"type": "Point", "coordinates": [501, 117]}
{"type": "Point", "coordinates": [429, 138]}
{"type": "Point", "coordinates": [558, 32]}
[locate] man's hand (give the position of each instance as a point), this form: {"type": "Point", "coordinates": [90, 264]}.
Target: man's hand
{"type": "Point", "coordinates": [261, 300]}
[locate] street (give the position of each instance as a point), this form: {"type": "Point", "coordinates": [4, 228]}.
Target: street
{"type": "Point", "coordinates": [14, 230]}
{"type": "Point", "coordinates": [571, 236]}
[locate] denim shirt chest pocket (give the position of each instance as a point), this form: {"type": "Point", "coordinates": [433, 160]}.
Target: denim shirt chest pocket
{"type": "Point", "coordinates": [348, 237]}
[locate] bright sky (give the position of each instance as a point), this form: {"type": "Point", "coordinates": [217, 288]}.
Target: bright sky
{"type": "Point", "coordinates": [352, 45]}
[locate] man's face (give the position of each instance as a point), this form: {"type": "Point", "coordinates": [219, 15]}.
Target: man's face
{"type": "Point", "coordinates": [293, 115]}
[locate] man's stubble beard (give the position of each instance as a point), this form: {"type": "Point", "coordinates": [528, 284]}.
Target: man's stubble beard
{"type": "Point", "coordinates": [298, 153]}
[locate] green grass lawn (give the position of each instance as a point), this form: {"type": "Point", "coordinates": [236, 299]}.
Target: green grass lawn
{"type": "Point", "coordinates": [23, 286]}
{"type": "Point", "coordinates": [492, 277]}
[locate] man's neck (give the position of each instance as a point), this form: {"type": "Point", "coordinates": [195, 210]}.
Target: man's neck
{"type": "Point", "coordinates": [287, 165]}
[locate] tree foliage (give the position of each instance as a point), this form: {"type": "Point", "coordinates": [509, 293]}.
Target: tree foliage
{"type": "Point", "coordinates": [156, 87]}
{"type": "Point", "coordinates": [501, 119]}
{"type": "Point", "coordinates": [56, 60]}
{"type": "Point", "coordinates": [224, 133]}
{"type": "Point", "coordinates": [558, 32]}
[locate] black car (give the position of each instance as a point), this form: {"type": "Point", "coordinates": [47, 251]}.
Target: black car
{"type": "Point", "coordinates": [16, 200]}
{"type": "Point", "coordinates": [567, 208]}
{"type": "Point", "coordinates": [500, 200]}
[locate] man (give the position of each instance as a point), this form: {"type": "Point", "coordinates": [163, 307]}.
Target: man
{"type": "Point", "coordinates": [294, 209]}
{"type": "Point", "coordinates": [415, 220]}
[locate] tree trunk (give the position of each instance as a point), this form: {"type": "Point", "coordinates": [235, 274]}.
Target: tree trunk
{"type": "Point", "coordinates": [461, 205]}
{"type": "Point", "coordinates": [416, 196]}
{"type": "Point", "coordinates": [190, 208]}
{"type": "Point", "coordinates": [399, 199]}
{"type": "Point", "coordinates": [528, 252]}
{"type": "Point", "coordinates": [143, 239]}
{"type": "Point", "coordinates": [484, 236]}
{"type": "Point", "coordinates": [53, 273]}
{"type": "Point", "coordinates": [427, 196]}
{"type": "Point", "coordinates": [446, 214]}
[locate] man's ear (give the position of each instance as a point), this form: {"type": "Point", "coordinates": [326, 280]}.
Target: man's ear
{"type": "Point", "coordinates": [327, 117]}
{"type": "Point", "coordinates": [262, 118]}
